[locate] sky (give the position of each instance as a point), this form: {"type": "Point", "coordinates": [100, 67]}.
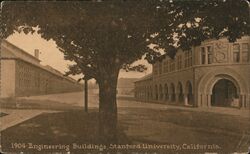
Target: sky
{"type": "Point", "coordinates": [50, 54]}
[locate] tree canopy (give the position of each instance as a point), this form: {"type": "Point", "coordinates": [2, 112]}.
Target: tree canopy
{"type": "Point", "coordinates": [121, 31]}
{"type": "Point", "coordinates": [104, 37]}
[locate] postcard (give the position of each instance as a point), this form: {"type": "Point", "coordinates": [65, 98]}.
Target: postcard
{"type": "Point", "coordinates": [125, 77]}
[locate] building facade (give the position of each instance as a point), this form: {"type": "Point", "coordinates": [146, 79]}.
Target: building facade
{"type": "Point", "coordinates": [21, 74]}
{"type": "Point", "coordinates": [216, 73]}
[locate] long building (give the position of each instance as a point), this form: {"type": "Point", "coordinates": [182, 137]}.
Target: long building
{"type": "Point", "coordinates": [21, 74]}
{"type": "Point", "coordinates": [215, 73]}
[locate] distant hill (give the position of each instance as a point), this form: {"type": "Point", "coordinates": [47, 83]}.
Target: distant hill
{"type": "Point", "coordinates": [126, 82]}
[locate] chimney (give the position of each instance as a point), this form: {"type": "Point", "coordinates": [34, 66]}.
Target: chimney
{"type": "Point", "coordinates": [36, 53]}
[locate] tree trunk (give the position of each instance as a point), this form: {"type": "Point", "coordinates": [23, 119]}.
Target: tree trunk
{"type": "Point", "coordinates": [108, 109]}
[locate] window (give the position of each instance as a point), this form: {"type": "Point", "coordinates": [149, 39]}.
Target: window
{"type": "Point", "coordinates": [188, 58]}
{"type": "Point", "coordinates": [160, 67]}
{"type": "Point", "coordinates": [172, 66]}
{"type": "Point", "coordinates": [203, 55]}
{"type": "Point", "coordinates": [210, 54]}
{"type": "Point", "coordinates": [156, 68]}
{"type": "Point", "coordinates": [179, 62]}
{"type": "Point", "coordinates": [245, 52]}
{"type": "Point", "coordinates": [236, 53]}
{"type": "Point", "coordinates": [167, 66]}
{"type": "Point", "coordinates": [165, 69]}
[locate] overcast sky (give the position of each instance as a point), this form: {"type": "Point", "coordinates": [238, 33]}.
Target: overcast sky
{"type": "Point", "coordinates": [50, 55]}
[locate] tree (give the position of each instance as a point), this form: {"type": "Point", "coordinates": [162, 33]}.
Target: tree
{"type": "Point", "coordinates": [104, 37]}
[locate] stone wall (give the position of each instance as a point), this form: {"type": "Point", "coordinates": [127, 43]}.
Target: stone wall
{"type": "Point", "coordinates": [33, 80]}
{"type": "Point", "coordinates": [7, 82]}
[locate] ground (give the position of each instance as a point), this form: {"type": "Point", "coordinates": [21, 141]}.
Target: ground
{"type": "Point", "coordinates": [154, 128]}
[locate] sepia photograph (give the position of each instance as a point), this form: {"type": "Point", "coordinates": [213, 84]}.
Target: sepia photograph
{"type": "Point", "coordinates": [125, 77]}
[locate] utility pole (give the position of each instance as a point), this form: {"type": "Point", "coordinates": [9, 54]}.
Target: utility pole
{"type": "Point", "coordinates": [86, 94]}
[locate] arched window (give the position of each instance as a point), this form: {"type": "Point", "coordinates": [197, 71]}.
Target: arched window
{"type": "Point", "coordinates": [172, 90]}
{"type": "Point", "coordinates": [166, 92]}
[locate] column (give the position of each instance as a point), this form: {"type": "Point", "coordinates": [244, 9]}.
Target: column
{"type": "Point", "coordinates": [248, 102]}
{"type": "Point", "coordinates": [206, 56]}
{"type": "Point", "coordinates": [242, 101]}
{"type": "Point", "coordinates": [196, 99]}
{"type": "Point", "coordinates": [209, 100]}
{"type": "Point", "coordinates": [240, 52]}
{"type": "Point", "coordinates": [185, 99]}
{"type": "Point", "coordinates": [163, 93]}
{"type": "Point", "coordinates": [170, 97]}
{"type": "Point", "coordinates": [204, 100]}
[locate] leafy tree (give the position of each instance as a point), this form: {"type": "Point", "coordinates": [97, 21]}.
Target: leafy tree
{"type": "Point", "coordinates": [104, 37]}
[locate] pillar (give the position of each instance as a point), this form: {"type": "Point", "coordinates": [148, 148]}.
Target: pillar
{"type": "Point", "coordinates": [206, 56]}
{"type": "Point", "coordinates": [243, 101]}
{"type": "Point", "coordinates": [204, 100]}
{"type": "Point", "coordinates": [196, 99]}
{"type": "Point", "coordinates": [209, 100]}
{"type": "Point", "coordinates": [186, 99]}
{"type": "Point", "coordinates": [248, 102]}
{"type": "Point", "coordinates": [170, 97]}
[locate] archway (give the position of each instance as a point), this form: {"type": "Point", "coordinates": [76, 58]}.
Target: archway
{"type": "Point", "coordinates": [206, 83]}
{"type": "Point", "coordinates": [148, 93]}
{"type": "Point", "coordinates": [160, 92]}
{"type": "Point", "coordinates": [189, 92]}
{"type": "Point", "coordinates": [166, 92]}
{"type": "Point", "coordinates": [225, 94]}
{"type": "Point", "coordinates": [180, 93]}
{"type": "Point", "coordinates": [172, 90]}
{"type": "Point", "coordinates": [151, 93]}
{"type": "Point", "coordinates": [156, 92]}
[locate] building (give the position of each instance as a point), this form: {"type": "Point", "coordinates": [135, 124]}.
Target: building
{"type": "Point", "coordinates": [22, 74]}
{"type": "Point", "coordinates": [216, 73]}
{"type": "Point", "coordinates": [125, 86]}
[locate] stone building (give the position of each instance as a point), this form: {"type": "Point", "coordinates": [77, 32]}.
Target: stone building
{"type": "Point", "coordinates": [21, 74]}
{"type": "Point", "coordinates": [216, 73]}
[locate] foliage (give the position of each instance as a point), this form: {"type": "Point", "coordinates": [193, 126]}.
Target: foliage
{"type": "Point", "coordinates": [104, 37]}
{"type": "Point", "coordinates": [101, 37]}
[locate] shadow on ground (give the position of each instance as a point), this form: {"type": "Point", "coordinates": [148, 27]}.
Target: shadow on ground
{"type": "Point", "coordinates": [61, 128]}
{"type": "Point", "coordinates": [3, 114]}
